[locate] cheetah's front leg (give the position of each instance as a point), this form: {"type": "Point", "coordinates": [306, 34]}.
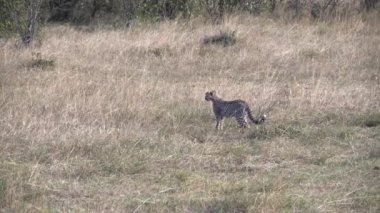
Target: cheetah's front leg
{"type": "Point", "coordinates": [219, 123]}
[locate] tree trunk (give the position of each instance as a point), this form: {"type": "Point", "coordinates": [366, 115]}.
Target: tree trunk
{"type": "Point", "coordinates": [27, 32]}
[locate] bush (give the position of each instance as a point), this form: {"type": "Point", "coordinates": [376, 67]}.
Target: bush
{"type": "Point", "coordinates": [39, 62]}
{"type": "Point", "coordinates": [167, 9]}
{"type": "Point", "coordinates": [368, 120]}
{"type": "Point", "coordinates": [7, 24]}
{"type": "Point", "coordinates": [224, 38]}
{"type": "Point", "coordinates": [83, 11]}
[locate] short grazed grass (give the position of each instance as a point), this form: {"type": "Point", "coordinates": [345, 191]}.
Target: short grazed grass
{"type": "Point", "coordinates": [116, 121]}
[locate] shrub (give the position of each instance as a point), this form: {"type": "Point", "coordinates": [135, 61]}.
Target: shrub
{"type": "Point", "coordinates": [370, 120]}
{"type": "Point", "coordinates": [7, 25]}
{"type": "Point", "coordinates": [224, 38]}
{"type": "Point", "coordinates": [39, 62]}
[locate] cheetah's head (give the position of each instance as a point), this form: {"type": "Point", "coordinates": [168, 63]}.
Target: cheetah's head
{"type": "Point", "coordinates": [210, 95]}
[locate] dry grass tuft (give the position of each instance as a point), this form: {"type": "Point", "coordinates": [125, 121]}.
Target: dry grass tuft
{"type": "Point", "coordinates": [119, 122]}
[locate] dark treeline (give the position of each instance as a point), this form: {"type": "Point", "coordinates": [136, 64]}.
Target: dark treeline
{"type": "Point", "coordinates": [84, 11]}
{"type": "Point", "coordinates": [22, 16]}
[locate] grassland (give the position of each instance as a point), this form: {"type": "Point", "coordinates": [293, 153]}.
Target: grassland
{"type": "Point", "coordinates": [101, 120]}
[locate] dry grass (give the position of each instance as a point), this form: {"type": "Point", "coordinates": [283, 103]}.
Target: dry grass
{"type": "Point", "coordinates": [115, 120]}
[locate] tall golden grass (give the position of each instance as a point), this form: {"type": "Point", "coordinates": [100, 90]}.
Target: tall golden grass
{"type": "Point", "coordinates": [115, 120]}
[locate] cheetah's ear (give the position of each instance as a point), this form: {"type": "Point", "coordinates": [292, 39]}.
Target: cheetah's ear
{"type": "Point", "coordinates": [213, 92]}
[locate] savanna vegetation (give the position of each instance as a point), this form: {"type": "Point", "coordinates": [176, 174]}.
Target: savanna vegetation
{"type": "Point", "coordinates": [107, 113]}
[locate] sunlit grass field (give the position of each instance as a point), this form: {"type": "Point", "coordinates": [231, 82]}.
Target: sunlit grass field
{"type": "Point", "coordinates": [114, 120]}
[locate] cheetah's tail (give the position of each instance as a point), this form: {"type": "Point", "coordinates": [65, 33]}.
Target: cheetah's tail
{"type": "Point", "coordinates": [254, 120]}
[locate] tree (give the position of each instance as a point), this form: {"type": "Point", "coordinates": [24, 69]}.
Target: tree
{"type": "Point", "coordinates": [27, 31]}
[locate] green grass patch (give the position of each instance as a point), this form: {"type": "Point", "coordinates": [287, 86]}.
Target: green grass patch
{"type": "Point", "coordinates": [15, 188]}
{"type": "Point", "coordinates": [303, 133]}
{"type": "Point", "coordinates": [309, 53]}
{"type": "Point", "coordinates": [42, 63]}
{"type": "Point", "coordinates": [228, 204]}
{"type": "Point", "coordinates": [3, 187]}
{"type": "Point", "coordinates": [122, 163]}
{"type": "Point", "coordinates": [39, 62]}
{"type": "Point", "coordinates": [31, 194]}
{"type": "Point", "coordinates": [182, 175]}
{"type": "Point", "coordinates": [295, 203]}
{"type": "Point", "coordinates": [368, 120]}
{"type": "Point", "coordinates": [174, 204]}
